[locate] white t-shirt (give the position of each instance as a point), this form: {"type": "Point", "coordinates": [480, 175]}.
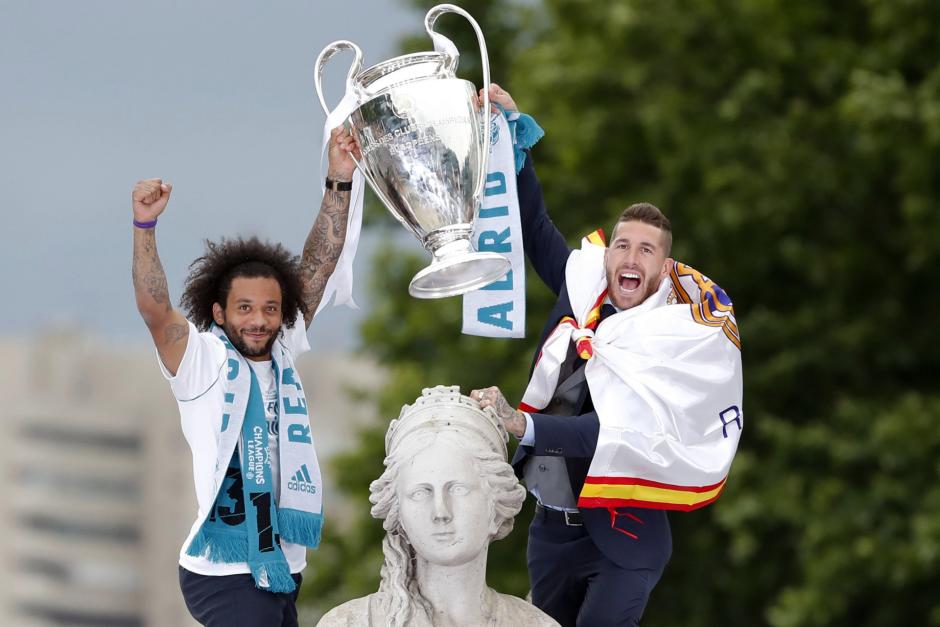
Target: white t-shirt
{"type": "Point", "coordinates": [199, 394]}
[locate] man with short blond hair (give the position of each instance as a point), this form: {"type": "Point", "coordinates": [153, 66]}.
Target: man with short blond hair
{"type": "Point", "coordinates": [633, 408]}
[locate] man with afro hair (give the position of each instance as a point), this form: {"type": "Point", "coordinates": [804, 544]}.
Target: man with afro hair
{"type": "Point", "coordinates": [230, 364]}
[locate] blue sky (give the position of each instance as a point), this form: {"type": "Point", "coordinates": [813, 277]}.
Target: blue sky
{"type": "Point", "coordinates": [216, 97]}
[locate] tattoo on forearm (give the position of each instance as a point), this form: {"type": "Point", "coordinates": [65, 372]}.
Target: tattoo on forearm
{"type": "Point", "coordinates": [335, 196]}
{"type": "Point", "coordinates": [503, 409]}
{"type": "Point", "coordinates": [512, 418]}
{"type": "Point", "coordinates": [148, 275]}
{"type": "Point", "coordinates": [323, 247]}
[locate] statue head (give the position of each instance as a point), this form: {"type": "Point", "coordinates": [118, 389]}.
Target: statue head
{"type": "Point", "coordinates": [446, 492]}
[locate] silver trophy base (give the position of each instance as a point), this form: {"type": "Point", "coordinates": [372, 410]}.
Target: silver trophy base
{"type": "Point", "coordinates": [457, 269]}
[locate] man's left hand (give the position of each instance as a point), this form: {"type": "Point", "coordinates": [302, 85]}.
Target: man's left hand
{"type": "Point", "coordinates": [343, 147]}
{"type": "Point", "coordinates": [512, 419]}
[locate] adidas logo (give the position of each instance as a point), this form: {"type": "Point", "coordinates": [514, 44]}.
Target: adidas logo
{"type": "Point", "coordinates": [301, 481]}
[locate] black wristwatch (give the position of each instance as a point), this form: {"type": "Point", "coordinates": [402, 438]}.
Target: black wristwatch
{"type": "Point", "coordinates": [338, 186]}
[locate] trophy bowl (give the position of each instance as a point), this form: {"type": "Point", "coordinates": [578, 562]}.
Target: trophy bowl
{"type": "Point", "coordinates": [425, 140]}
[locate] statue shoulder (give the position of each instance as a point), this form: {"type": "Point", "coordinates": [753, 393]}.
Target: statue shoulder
{"type": "Point", "coordinates": [514, 610]}
{"type": "Point", "coordinates": [350, 614]}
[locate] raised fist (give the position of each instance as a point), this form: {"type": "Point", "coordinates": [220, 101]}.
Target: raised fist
{"type": "Point", "coordinates": [149, 198]}
{"type": "Point", "coordinates": [343, 147]}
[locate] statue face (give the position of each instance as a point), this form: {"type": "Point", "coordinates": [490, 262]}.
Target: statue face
{"type": "Point", "coordinates": [444, 505]}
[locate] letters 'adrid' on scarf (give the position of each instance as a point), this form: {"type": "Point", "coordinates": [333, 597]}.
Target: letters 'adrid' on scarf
{"type": "Point", "coordinates": [665, 379]}
{"type": "Point", "coordinates": [245, 524]}
{"type": "Point", "coordinates": [498, 310]}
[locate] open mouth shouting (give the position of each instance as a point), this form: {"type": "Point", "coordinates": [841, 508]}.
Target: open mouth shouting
{"type": "Point", "coordinates": [629, 282]}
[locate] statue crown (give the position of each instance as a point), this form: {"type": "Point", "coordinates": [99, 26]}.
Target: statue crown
{"type": "Point", "coordinates": [445, 408]}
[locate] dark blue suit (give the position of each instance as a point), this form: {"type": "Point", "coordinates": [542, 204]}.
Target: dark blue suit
{"type": "Point", "coordinates": [602, 572]}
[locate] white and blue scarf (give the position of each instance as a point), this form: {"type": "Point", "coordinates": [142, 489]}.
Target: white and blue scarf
{"type": "Point", "coordinates": [498, 309]}
{"type": "Point", "coordinates": [245, 524]}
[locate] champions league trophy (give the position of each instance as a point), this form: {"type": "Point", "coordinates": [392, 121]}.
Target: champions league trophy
{"type": "Point", "coordinates": [424, 144]}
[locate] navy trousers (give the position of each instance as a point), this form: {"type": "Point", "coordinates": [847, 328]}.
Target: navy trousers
{"type": "Point", "coordinates": [577, 585]}
{"type": "Point", "coordinates": [234, 601]}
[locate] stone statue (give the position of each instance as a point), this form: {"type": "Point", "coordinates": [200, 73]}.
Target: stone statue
{"type": "Point", "coordinates": [446, 493]}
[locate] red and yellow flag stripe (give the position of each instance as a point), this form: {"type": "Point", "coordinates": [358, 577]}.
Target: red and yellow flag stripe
{"type": "Point", "coordinates": [584, 347]}
{"type": "Point", "coordinates": [634, 492]}
{"type": "Point", "coordinates": [594, 316]}
{"type": "Point", "coordinates": [597, 238]}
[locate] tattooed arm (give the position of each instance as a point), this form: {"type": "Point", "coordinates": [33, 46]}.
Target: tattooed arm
{"type": "Point", "coordinates": [326, 238]}
{"type": "Point", "coordinates": [168, 327]}
{"type": "Point", "coordinates": [546, 434]}
{"type": "Point", "coordinates": [513, 419]}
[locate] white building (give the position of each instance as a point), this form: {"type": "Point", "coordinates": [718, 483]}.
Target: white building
{"type": "Point", "coordinates": [98, 479]}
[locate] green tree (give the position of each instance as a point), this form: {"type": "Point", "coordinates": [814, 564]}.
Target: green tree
{"type": "Point", "coordinates": [794, 145]}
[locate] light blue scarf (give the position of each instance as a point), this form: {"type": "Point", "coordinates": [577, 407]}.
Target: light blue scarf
{"type": "Point", "coordinates": [245, 524]}
{"type": "Point", "coordinates": [524, 131]}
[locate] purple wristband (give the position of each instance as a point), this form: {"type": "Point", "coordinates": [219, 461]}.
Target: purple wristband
{"type": "Point", "coordinates": [145, 225]}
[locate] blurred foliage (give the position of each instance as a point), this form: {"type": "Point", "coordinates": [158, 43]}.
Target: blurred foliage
{"type": "Point", "coordinates": [796, 148]}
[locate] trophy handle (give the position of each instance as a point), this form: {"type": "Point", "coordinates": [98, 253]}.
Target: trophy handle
{"type": "Point", "coordinates": [322, 59]}
{"type": "Point", "coordinates": [325, 55]}
{"type": "Point", "coordinates": [429, 21]}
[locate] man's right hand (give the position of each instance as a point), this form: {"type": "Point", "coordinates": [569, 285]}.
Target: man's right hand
{"type": "Point", "coordinates": [500, 96]}
{"type": "Point", "coordinates": [513, 420]}
{"type": "Point", "coordinates": [149, 199]}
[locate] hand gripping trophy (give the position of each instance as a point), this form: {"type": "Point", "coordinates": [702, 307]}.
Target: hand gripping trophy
{"type": "Point", "coordinates": [425, 139]}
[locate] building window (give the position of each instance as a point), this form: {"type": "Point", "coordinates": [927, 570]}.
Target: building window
{"type": "Point", "coordinates": [114, 532]}
{"type": "Point", "coordinates": [121, 488]}
{"type": "Point", "coordinates": [82, 437]}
